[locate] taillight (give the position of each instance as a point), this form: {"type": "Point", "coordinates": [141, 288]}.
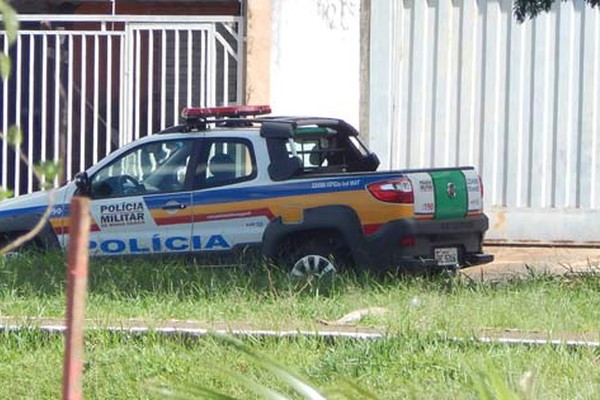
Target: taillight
{"type": "Point", "coordinates": [480, 186]}
{"type": "Point", "coordinates": [393, 191]}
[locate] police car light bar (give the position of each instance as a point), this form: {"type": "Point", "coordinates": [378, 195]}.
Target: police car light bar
{"type": "Point", "coordinates": [224, 112]}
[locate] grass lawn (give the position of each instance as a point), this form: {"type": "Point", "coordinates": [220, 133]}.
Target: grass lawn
{"type": "Point", "coordinates": [411, 366]}
{"type": "Point", "coordinates": [415, 361]}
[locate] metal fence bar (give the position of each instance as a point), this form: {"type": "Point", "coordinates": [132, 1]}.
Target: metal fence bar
{"type": "Point", "coordinates": [163, 79]}
{"type": "Point", "coordinates": [57, 99]}
{"type": "Point", "coordinates": [241, 61]}
{"type": "Point", "coordinates": [150, 82]}
{"type": "Point", "coordinates": [225, 77]}
{"type": "Point", "coordinates": [123, 98]}
{"type": "Point", "coordinates": [5, 125]}
{"type": "Point", "coordinates": [96, 112]}
{"type": "Point", "coordinates": [157, 19]}
{"type": "Point", "coordinates": [78, 32]}
{"type": "Point", "coordinates": [45, 105]}
{"type": "Point", "coordinates": [134, 69]}
{"type": "Point", "coordinates": [190, 63]}
{"type": "Point", "coordinates": [212, 66]}
{"type": "Point", "coordinates": [176, 88]}
{"type": "Point", "coordinates": [18, 119]}
{"type": "Point", "coordinates": [82, 103]}
{"type": "Point", "coordinates": [69, 156]}
{"type": "Point", "coordinates": [109, 73]}
{"type": "Point", "coordinates": [138, 82]}
{"type": "Point", "coordinates": [203, 65]}
{"type": "Point", "coordinates": [30, 115]}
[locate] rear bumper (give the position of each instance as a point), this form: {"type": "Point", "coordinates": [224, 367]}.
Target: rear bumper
{"type": "Point", "coordinates": [383, 250]}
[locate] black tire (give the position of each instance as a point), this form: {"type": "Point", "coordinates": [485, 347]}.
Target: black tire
{"type": "Point", "coordinates": [318, 256]}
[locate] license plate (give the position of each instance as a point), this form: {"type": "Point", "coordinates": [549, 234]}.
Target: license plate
{"type": "Point", "coordinates": [446, 256]}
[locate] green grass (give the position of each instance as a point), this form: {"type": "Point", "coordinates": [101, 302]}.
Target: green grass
{"type": "Point", "coordinates": [120, 366]}
{"type": "Point", "coordinates": [167, 289]}
{"type": "Point", "coordinates": [416, 361]}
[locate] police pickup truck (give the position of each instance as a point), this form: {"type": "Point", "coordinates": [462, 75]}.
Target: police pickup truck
{"type": "Point", "coordinates": [230, 182]}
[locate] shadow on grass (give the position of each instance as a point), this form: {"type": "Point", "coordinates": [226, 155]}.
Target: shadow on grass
{"type": "Point", "coordinates": [44, 274]}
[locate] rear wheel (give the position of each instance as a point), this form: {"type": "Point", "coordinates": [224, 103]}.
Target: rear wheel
{"type": "Point", "coordinates": [313, 264]}
{"type": "Point", "coordinates": [318, 256]}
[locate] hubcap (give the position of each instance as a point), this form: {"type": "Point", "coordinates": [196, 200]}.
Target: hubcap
{"type": "Point", "coordinates": [312, 264]}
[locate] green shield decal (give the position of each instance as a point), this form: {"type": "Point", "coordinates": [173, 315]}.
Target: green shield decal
{"type": "Point", "coordinates": [450, 190]}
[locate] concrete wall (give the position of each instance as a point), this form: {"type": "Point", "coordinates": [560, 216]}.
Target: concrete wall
{"type": "Point", "coordinates": [258, 52]}
{"type": "Point", "coordinates": [315, 58]}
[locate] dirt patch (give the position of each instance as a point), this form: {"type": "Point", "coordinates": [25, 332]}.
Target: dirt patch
{"type": "Point", "coordinates": [512, 261]}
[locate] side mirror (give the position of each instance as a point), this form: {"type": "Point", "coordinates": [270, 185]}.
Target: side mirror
{"type": "Point", "coordinates": [84, 185]}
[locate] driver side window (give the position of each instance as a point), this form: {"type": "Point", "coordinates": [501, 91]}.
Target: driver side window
{"type": "Point", "coordinates": [156, 167]}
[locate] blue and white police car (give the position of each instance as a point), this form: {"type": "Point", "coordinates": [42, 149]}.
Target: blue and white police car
{"type": "Point", "coordinates": [231, 181]}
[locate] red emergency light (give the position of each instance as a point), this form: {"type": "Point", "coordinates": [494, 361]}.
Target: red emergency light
{"type": "Point", "coordinates": [224, 112]}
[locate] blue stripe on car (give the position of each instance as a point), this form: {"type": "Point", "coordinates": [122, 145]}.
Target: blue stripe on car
{"type": "Point", "coordinates": [263, 192]}
{"type": "Point", "coordinates": [216, 196]}
{"type": "Point", "coordinates": [22, 211]}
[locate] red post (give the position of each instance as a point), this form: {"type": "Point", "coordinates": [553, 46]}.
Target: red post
{"type": "Point", "coordinates": [77, 272]}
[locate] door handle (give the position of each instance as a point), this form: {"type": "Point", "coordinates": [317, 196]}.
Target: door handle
{"type": "Point", "coordinates": [174, 207]}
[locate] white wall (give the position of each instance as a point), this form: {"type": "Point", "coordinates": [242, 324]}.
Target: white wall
{"type": "Point", "coordinates": [462, 83]}
{"type": "Point", "coordinates": [315, 58]}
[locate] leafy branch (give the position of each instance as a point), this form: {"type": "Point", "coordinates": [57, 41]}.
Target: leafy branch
{"type": "Point", "coordinates": [529, 9]}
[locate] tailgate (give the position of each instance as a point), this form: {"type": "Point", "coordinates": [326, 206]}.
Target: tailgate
{"type": "Point", "coordinates": [446, 194]}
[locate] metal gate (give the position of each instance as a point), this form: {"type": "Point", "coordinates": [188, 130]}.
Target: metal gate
{"type": "Point", "coordinates": [82, 86]}
{"type": "Point", "coordinates": [463, 83]}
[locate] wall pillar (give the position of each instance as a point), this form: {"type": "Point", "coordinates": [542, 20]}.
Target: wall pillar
{"type": "Point", "coordinates": [258, 52]}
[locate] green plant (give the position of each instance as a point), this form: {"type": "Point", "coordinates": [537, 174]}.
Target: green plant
{"type": "Point", "coordinates": [489, 384]}
{"type": "Point", "coordinates": [299, 385]}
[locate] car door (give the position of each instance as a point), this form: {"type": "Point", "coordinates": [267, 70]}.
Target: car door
{"type": "Point", "coordinates": [141, 200]}
{"type": "Point", "coordinates": [226, 212]}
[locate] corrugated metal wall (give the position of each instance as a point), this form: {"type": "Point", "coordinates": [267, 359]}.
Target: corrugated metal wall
{"type": "Point", "coordinates": [463, 83]}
